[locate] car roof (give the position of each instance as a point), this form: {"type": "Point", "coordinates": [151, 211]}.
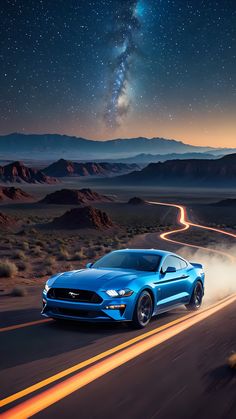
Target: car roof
{"type": "Point", "coordinates": [159, 252]}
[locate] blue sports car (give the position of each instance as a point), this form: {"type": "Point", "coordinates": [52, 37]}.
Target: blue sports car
{"type": "Point", "coordinates": [125, 285]}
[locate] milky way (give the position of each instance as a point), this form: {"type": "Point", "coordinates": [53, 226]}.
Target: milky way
{"type": "Point", "coordinates": [124, 38]}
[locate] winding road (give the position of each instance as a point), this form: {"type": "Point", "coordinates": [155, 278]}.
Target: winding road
{"type": "Point", "coordinates": [89, 371]}
{"type": "Point", "coordinates": [182, 219]}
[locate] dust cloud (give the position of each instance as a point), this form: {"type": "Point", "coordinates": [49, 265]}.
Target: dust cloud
{"type": "Point", "coordinates": [220, 272]}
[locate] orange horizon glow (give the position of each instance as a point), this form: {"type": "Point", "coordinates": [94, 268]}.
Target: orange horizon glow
{"type": "Point", "coordinates": [212, 130]}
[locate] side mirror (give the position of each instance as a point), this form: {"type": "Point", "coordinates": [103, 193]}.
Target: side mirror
{"type": "Point", "coordinates": [89, 265]}
{"type": "Point", "coordinates": [170, 269]}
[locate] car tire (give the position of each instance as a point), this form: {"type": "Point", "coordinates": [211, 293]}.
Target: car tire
{"type": "Point", "coordinates": [196, 297]}
{"type": "Point", "coordinates": [143, 310]}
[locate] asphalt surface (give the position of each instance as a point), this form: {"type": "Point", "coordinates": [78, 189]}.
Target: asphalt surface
{"type": "Point", "coordinates": [185, 377]}
{"type": "Point", "coordinates": [30, 354]}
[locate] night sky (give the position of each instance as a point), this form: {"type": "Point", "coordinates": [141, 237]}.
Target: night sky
{"type": "Point", "coordinates": [107, 68]}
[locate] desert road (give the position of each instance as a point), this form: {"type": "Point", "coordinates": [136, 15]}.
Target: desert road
{"type": "Point", "coordinates": [175, 368]}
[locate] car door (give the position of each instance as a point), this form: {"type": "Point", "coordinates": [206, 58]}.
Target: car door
{"type": "Point", "coordinates": [172, 286]}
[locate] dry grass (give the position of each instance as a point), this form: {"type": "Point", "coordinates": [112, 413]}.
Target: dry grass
{"type": "Point", "coordinates": [37, 251]}
{"type": "Point", "coordinates": [49, 261]}
{"type": "Point", "coordinates": [25, 245]}
{"type": "Point", "coordinates": [79, 255]}
{"type": "Point", "coordinates": [90, 252]}
{"type": "Point", "coordinates": [19, 254]}
{"type": "Point", "coordinates": [22, 266]}
{"type": "Point", "coordinates": [63, 254]}
{"type": "Point", "coordinates": [8, 269]}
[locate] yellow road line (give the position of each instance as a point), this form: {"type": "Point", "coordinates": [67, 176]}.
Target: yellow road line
{"type": "Point", "coordinates": [87, 362]}
{"type": "Point", "coordinates": [20, 326]}
{"type": "Point", "coordinates": [61, 390]}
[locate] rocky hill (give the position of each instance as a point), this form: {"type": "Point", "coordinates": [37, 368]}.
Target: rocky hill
{"type": "Point", "coordinates": [63, 168]}
{"type": "Point", "coordinates": [84, 217]}
{"type": "Point", "coordinates": [74, 197]}
{"type": "Point", "coordinates": [18, 172]}
{"type": "Point", "coordinates": [13, 194]}
{"type": "Point", "coordinates": [136, 201]}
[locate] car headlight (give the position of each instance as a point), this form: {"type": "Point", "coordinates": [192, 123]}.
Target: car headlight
{"type": "Point", "coordinates": [119, 293]}
{"type": "Point", "coordinates": [46, 287]}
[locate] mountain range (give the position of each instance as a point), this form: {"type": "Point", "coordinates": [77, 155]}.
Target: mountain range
{"type": "Point", "coordinates": [215, 173]}
{"type": "Point", "coordinates": [143, 158]}
{"type": "Point", "coordinates": [63, 168]}
{"type": "Point", "coordinates": [18, 172]}
{"type": "Point", "coordinates": [54, 146]}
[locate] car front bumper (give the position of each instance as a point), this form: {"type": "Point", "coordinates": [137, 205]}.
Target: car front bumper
{"type": "Point", "coordinates": [110, 309]}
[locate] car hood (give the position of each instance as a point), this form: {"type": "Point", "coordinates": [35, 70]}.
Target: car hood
{"type": "Point", "coordinates": [95, 279]}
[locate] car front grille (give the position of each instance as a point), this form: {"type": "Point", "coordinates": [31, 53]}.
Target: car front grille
{"type": "Point", "coordinates": [80, 296]}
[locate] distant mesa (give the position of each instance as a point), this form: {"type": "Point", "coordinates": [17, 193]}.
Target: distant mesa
{"type": "Point", "coordinates": [74, 197]}
{"type": "Point", "coordinates": [218, 173]}
{"type": "Point", "coordinates": [7, 222]}
{"type": "Point", "coordinates": [231, 202]}
{"type": "Point", "coordinates": [18, 172]}
{"type": "Point", "coordinates": [13, 194]}
{"type": "Point", "coordinates": [136, 201]}
{"type": "Point", "coordinates": [84, 217]}
{"type": "Point", "coordinates": [64, 168]}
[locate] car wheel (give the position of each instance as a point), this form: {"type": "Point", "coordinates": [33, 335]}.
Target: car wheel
{"type": "Point", "coordinates": [196, 298]}
{"type": "Point", "coordinates": [143, 310]}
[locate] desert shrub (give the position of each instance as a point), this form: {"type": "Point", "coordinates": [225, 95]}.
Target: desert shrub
{"type": "Point", "coordinates": [90, 252]}
{"type": "Point", "coordinates": [98, 248]}
{"type": "Point", "coordinates": [79, 255]}
{"type": "Point", "coordinates": [25, 245]}
{"type": "Point", "coordinates": [19, 254]}
{"type": "Point", "coordinates": [7, 268]}
{"type": "Point", "coordinates": [33, 231]}
{"type": "Point", "coordinates": [39, 243]}
{"type": "Point", "coordinates": [49, 271]}
{"type": "Point", "coordinates": [18, 292]}
{"type": "Point", "coordinates": [63, 254]}
{"type": "Point", "coordinates": [49, 261]}
{"type": "Point", "coordinates": [37, 251]}
{"type": "Point", "coordinates": [69, 267]}
{"type": "Point", "coordinates": [22, 266]}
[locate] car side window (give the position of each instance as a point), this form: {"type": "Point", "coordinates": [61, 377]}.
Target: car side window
{"type": "Point", "coordinates": [171, 261]}
{"type": "Point", "coordinates": [183, 264]}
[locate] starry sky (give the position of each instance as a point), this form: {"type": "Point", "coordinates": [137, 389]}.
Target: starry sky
{"type": "Point", "coordinates": [107, 69]}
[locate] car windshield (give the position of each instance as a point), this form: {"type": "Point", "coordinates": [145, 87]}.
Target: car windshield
{"type": "Point", "coordinates": [130, 260]}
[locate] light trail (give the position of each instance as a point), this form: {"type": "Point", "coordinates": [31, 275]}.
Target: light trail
{"type": "Point", "coordinates": [22, 325]}
{"type": "Point", "coordinates": [50, 380]}
{"type": "Point", "coordinates": [61, 390]}
{"type": "Point", "coordinates": [186, 225]}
